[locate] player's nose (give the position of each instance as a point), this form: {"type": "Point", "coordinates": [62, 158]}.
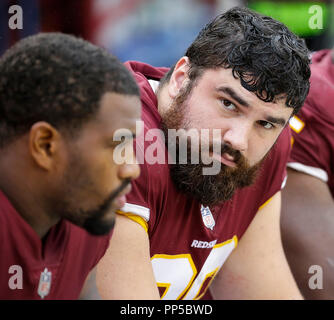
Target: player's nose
{"type": "Point", "coordinates": [129, 171]}
{"type": "Point", "coordinates": [238, 133]}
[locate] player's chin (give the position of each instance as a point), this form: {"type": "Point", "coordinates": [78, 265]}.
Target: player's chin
{"type": "Point", "coordinates": [100, 227]}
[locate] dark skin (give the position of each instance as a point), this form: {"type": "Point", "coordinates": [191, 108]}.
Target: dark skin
{"type": "Point", "coordinates": [33, 166]}
{"type": "Point", "coordinates": [23, 165]}
{"type": "Point", "coordinates": [38, 173]}
{"type": "Point", "coordinates": [307, 225]}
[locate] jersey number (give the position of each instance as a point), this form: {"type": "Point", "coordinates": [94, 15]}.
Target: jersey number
{"type": "Point", "coordinates": [178, 276]}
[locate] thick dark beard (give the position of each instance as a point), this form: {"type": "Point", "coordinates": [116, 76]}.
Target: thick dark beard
{"type": "Point", "coordinates": [95, 224]}
{"type": "Point", "coordinates": [209, 190]}
{"type": "Point", "coordinates": [93, 220]}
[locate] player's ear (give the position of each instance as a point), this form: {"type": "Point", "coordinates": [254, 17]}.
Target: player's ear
{"type": "Point", "coordinates": [44, 144]}
{"type": "Point", "coordinates": [178, 77]}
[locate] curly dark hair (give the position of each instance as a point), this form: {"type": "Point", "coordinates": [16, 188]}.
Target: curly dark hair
{"type": "Point", "coordinates": [56, 78]}
{"type": "Point", "coordinates": [263, 53]}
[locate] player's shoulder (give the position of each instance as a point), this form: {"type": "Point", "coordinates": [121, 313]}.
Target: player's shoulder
{"type": "Point", "coordinates": [322, 70]}
{"type": "Point", "coordinates": [143, 72]}
{"type": "Point", "coordinates": [152, 156]}
{"type": "Point", "coordinates": [150, 146]}
{"type": "Point", "coordinates": [319, 102]}
{"type": "Point", "coordinates": [146, 70]}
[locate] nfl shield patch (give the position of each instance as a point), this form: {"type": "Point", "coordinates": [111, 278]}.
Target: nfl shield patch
{"type": "Point", "coordinates": [44, 283]}
{"type": "Point", "coordinates": [207, 217]}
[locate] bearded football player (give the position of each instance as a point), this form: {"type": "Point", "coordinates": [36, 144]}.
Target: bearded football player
{"type": "Point", "coordinates": [183, 230]}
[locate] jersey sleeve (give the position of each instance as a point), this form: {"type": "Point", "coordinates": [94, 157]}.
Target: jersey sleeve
{"type": "Point", "coordinates": [137, 207]}
{"type": "Point", "coordinates": [313, 145]}
{"type": "Point", "coordinates": [313, 127]}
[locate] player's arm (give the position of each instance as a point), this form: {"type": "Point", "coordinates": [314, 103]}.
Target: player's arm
{"type": "Point", "coordinates": [307, 231]}
{"type": "Point", "coordinates": [125, 272]}
{"type": "Point", "coordinates": [89, 290]}
{"type": "Point", "coordinates": [257, 268]}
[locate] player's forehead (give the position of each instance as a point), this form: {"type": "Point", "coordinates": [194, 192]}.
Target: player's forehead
{"type": "Point", "coordinates": [222, 81]}
{"type": "Point", "coordinates": [118, 111]}
{"type": "Point", "coordinates": [217, 78]}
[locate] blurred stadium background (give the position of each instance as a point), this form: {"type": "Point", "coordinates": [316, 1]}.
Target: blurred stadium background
{"type": "Point", "coordinates": [153, 31]}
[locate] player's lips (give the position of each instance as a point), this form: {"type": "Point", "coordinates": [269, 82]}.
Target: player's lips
{"type": "Point", "coordinates": [120, 200]}
{"type": "Point", "coordinates": [225, 158]}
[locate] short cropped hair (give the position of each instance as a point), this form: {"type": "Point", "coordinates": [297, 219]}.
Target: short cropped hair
{"type": "Point", "coordinates": [263, 53]}
{"type": "Point", "coordinates": [56, 78]}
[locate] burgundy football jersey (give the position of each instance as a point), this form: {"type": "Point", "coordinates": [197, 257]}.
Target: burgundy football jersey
{"type": "Point", "coordinates": [188, 242]}
{"type": "Point", "coordinates": [313, 127]}
{"type": "Point", "coordinates": [56, 269]}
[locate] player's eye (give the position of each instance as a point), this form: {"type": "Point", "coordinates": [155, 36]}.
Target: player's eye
{"type": "Point", "coordinates": [266, 125]}
{"type": "Point", "coordinates": [228, 105]}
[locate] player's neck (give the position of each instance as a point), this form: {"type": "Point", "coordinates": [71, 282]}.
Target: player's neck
{"type": "Point", "coordinates": [29, 208]}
